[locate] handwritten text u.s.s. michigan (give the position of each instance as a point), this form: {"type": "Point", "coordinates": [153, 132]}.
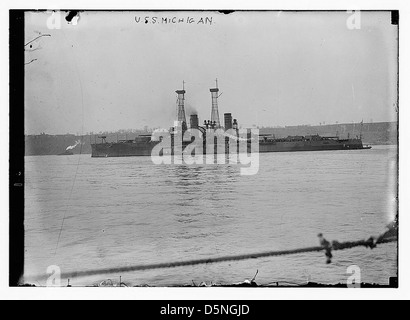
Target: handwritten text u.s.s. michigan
{"type": "Point", "coordinates": [173, 20]}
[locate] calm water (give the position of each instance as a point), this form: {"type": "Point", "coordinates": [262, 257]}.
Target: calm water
{"type": "Point", "coordinates": [127, 211]}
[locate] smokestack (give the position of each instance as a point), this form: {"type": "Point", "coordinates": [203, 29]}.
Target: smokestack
{"type": "Point", "coordinates": [228, 121]}
{"type": "Point", "coordinates": [194, 121]}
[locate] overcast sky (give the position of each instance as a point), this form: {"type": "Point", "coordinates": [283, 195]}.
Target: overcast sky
{"type": "Point", "coordinates": [111, 72]}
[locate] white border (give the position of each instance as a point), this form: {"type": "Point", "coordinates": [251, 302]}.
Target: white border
{"type": "Point", "coordinates": [210, 293]}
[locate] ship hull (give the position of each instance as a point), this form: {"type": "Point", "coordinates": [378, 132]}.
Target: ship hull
{"type": "Point", "coordinates": [104, 150]}
{"type": "Point", "coordinates": [331, 145]}
{"type": "Point", "coordinates": [134, 149]}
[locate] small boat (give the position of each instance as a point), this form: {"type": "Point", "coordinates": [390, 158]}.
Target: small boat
{"type": "Point", "coordinates": [66, 153]}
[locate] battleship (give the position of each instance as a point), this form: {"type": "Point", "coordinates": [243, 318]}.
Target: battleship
{"type": "Point", "coordinates": [143, 145]}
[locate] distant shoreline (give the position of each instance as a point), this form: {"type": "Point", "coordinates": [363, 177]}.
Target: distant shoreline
{"type": "Point", "coordinates": [378, 133]}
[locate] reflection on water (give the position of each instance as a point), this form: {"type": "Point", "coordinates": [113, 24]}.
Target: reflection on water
{"type": "Point", "coordinates": [126, 211]}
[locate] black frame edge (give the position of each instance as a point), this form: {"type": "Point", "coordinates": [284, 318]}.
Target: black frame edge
{"type": "Point", "coordinates": [16, 147]}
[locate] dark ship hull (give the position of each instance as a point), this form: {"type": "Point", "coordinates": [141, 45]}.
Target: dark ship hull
{"type": "Point", "coordinates": [324, 144]}
{"type": "Point", "coordinates": [127, 149]}
{"type": "Point", "coordinates": [290, 144]}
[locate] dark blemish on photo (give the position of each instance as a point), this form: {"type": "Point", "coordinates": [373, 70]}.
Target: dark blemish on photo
{"type": "Point", "coordinates": [226, 11]}
{"type": "Point", "coordinates": [71, 15]}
